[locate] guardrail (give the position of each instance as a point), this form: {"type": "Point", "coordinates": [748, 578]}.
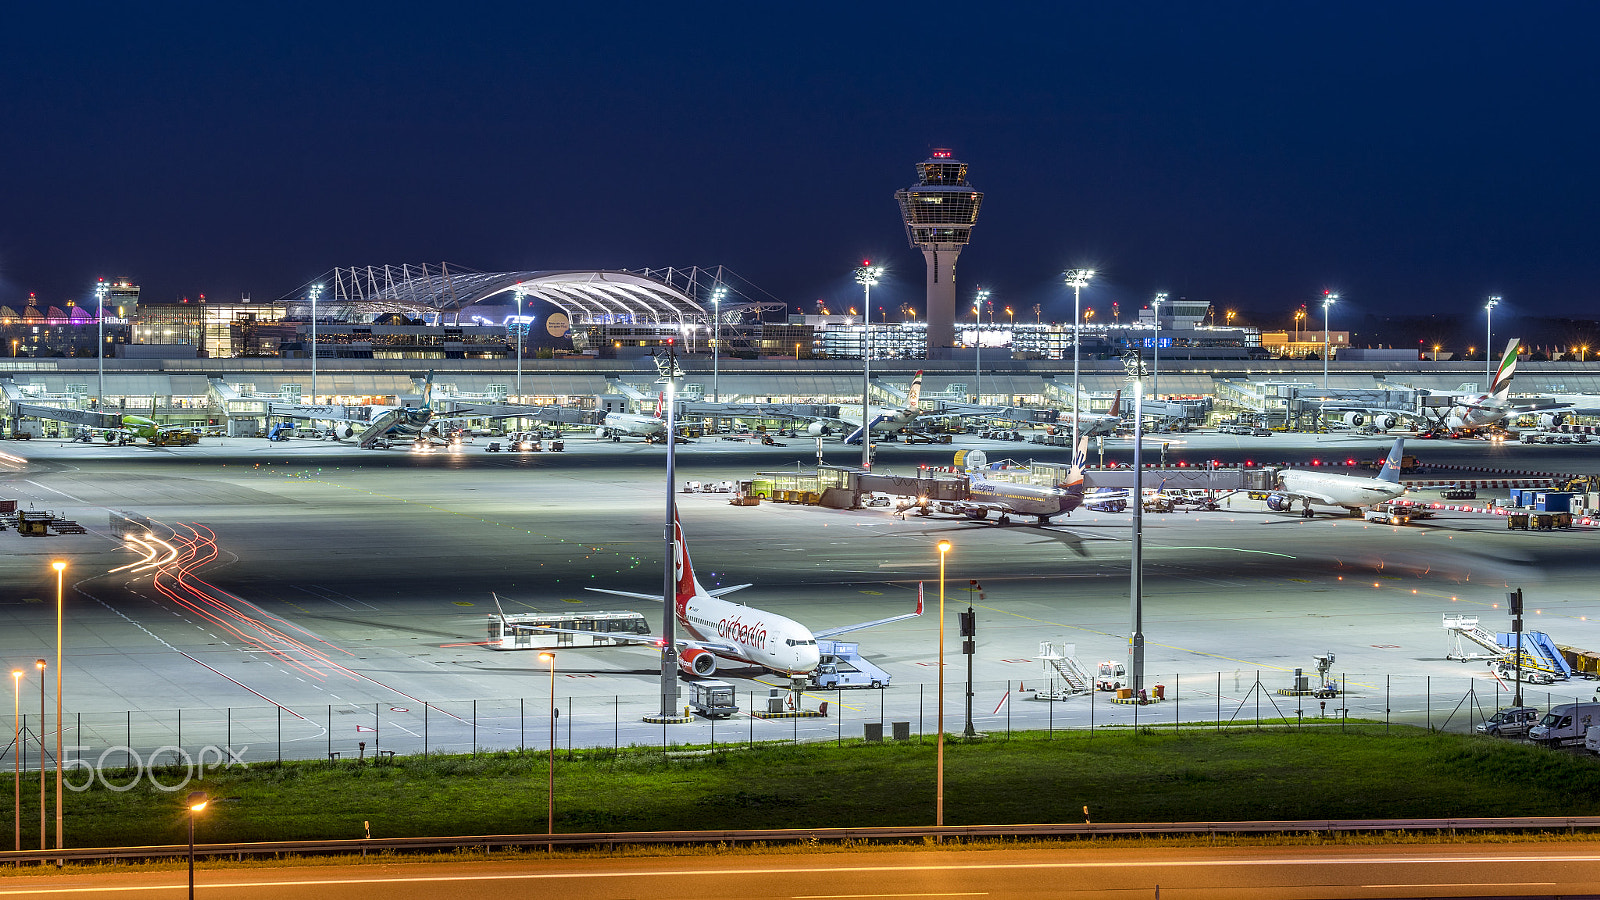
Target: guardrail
{"type": "Point", "coordinates": [788, 835]}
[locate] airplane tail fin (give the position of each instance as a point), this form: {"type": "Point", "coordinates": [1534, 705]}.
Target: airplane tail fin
{"type": "Point", "coordinates": [661, 401]}
{"type": "Point", "coordinates": [1391, 466]}
{"type": "Point", "coordinates": [1508, 367]}
{"type": "Point", "coordinates": [687, 585]}
{"type": "Point", "coordinates": [971, 460]}
{"type": "Point", "coordinates": [914, 396]}
{"type": "Point", "coordinates": [919, 598]}
{"type": "Point", "coordinates": [1116, 404]}
{"type": "Point", "coordinates": [427, 392]}
{"type": "Point", "coordinates": [1073, 486]}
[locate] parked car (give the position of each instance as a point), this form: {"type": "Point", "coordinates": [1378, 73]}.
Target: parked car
{"type": "Point", "coordinates": [1511, 722]}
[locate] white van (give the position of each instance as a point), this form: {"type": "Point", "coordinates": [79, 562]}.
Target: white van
{"type": "Point", "coordinates": [1565, 724]}
{"type": "Point", "coordinates": [1591, 740]}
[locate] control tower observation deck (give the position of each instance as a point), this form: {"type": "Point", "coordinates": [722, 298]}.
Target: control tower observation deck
{"type": "Point", "coordinates": [940, 211]}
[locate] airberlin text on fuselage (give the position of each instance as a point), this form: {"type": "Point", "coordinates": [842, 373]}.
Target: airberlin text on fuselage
{"type": "Point", "coordinates": [734, 629]}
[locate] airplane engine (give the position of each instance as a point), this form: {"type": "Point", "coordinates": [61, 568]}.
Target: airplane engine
{"type": "Point", "coordinates": [1280, 502]}
{"type": "Point", "coordinates": [1548, 421]}
{"type": "Point", "coordinates": [1354, 419]}
{"type": "Point", "coordinates": [818, 429]}
{"type": "Point", "coordinates": [600, 432]}
{"type": "Point", "coordinates": [1455, 421]}
{"type": "Point", "coordinates": [343, 432]}
{"type": "Point", "coordinates": [1385, 422]}
{"type": "Point", "coordinates": [696, 661]}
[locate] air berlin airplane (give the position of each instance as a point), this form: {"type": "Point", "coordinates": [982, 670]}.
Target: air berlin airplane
{"type": "Point", "coordinates": [717, 628]}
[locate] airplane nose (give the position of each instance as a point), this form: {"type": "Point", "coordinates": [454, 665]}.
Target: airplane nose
{"type": "Point", "coordinates": [809, 657]}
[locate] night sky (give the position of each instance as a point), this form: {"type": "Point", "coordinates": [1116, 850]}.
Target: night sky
{"type": "Point", "coordinates": [1414, 157]}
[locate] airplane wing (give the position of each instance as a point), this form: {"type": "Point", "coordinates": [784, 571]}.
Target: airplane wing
{"type": "Point", "coordinates": [1324, 499]}
{"type": "Point", "coordinates": [715, 592]}
{"type": "Point", "coordinates": [833, 632]}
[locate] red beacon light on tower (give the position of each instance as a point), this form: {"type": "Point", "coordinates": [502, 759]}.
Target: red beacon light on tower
{"type": "Point", "coordinates": [941, 153]}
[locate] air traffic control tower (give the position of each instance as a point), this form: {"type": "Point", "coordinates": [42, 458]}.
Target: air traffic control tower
{"type": "Point", "coordinates": [939, 212]}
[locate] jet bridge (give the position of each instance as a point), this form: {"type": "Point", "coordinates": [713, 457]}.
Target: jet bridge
{"type": "Point", "coordinates": [1264, 478]}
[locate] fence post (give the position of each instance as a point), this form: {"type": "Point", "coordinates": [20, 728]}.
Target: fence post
{"type": "Point", "coordinates": [616, 721]}
{"type": "Point", "coordinates": [130, 741]}
{"type": "Point", "coordinates": [1008, 709]}
{"type": "Point", "coordinates": [424, 728]}
{"type": "Point", "coordinates": [474, 728]}
{"type": "Point", "coordinates": [1175, 702]}
{"type": "Point", "coordinates": [522, 723]}
{"type": "Point", "coordinates": [752, 712]}
{"type": "Point", "coordinates": [330, 732]}
{"type": "Point", "coordinates": [838, 720]}
{"type": "Point", "coordinates": [1050, 731]}
{"type": "Point", "coordinates": [569, 728]}
{"type": "Point", "coordinates": [919, 712]}
{"type": "Point", "coordinates": [1427, 691]}
{"type": "Point", "coordinates": [230, 729]}
{"type": "Point", "coordinates": [377, 731]}
{"type": "Point", "coordinates": [1387, 705]}
{"type": "Point", "coordinates": [1257, 691]}
{"type": "Point", "coordinates": [1344, 700]}
{"type": "Point", "coordinates": [1219, 699]}
{"type": "Point", "coordinates": [180, 728]}
{"type": "Point", "coordinates": [1092, 691]}
{"type": "Point", "coordinates": [280, 734]}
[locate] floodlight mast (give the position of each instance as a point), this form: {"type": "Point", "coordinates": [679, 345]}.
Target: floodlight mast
{"type": "Point", "coordinates": [1488, 346]}
{"type": "Point", "coordinates": [316, 291]}
{"type": "Point", "coordinates": [1155, 357]}
{"type": "Point", "coordinates": [100, 351]}
{"type": "Point", "coordinates": [717, 294]}
{"type": "Point", "coordinates": [1327, 347]}
{"type": "Point", "coordinates": [670, 372]}
{"type": "Point", "coordinates": [977, 359]}
{"type": "Point", "coordinates": [1077, 279]}
{"type": "Point", "coordinates": [867, 275]}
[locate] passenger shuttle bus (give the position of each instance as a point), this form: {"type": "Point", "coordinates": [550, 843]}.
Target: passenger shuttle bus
{"type": "Point", "coordinates": [598, 629]}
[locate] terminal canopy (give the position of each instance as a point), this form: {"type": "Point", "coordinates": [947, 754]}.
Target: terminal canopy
{"type": "Point", "coordinates": [586, 296]}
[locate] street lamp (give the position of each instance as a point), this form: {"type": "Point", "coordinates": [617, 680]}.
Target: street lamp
{"type": "Point", "coordinates": [938, 814]}
{"type": "Point", "coordinates": [39, 665]}
{"type": "Point", "coordinates": [1435, 352]}
{"type": "Point", "coordinates": [977, 365]}
{"type": "Point", "coordinates": [1327, 303]}
{"type": "Point", "coordinates": [316, 291]}
{"type": "Point", "coordinates": [867, 275]}
{"type": "Point", "coordinates": [16, 759]}
{"type": "Point", "coordinates": [1488, 347]}
{"type": "Point", "coordinates": [60, 567]}
{"type": "Point", "coordinates": [1582, 352]}
{"type": "Point", "coordinates": [1155, 358]}
{"type": "Point", "coordinates": [100, 349]}
{"type": "Point", "coordinates": [1076, 279]}
{"type": "Point", "coordinates": [716, 337]}
{"type": "Point", "coordinates": [196, 803]}
{"type": "Point", "coordinates": [550, 796]}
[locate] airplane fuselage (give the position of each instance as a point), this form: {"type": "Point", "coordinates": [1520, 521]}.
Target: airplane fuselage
{"type": "Point", "coordinates": [1022, 499]}
{"type": "Point", "coordinates": [1348, 491]}
{"type": "Point", "coordinates": [763, 639]}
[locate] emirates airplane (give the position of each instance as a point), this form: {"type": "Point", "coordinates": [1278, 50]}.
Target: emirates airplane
{"type": "Point", "coordinates": [717, 629]}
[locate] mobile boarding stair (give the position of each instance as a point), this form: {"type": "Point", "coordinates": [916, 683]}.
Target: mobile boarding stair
{"type": "Point", "coordinates": [1542, 662]}
{"type": "Point", "coordinates": [1064, 677]}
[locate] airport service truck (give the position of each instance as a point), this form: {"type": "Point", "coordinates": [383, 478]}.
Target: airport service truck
{"type": "Point", "coordinates": [1565, 724]}
{"type": "Point", "coordinates": [842, 666]}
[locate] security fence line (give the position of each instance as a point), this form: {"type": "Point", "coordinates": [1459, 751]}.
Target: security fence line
{"type": "Point", "coordinates": [159, 739]}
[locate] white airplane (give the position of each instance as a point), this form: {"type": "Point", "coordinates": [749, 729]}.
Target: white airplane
{"type": "Point", "coordinates": [880, 419]}
{"type": "Point", "coordinates": [619, 425]}
{"type": "Point", "coordinates": [1090, 424]}
{"type": "Point", "coordinates": [718, 629]}
{"type": "Point", "coordinates": [1351, 492]}
{"type": "Point", "coordinates": [1006, 498]}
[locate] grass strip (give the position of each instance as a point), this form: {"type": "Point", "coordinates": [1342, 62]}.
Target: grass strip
{"type": "Point", "coordinates": [1149, 775]}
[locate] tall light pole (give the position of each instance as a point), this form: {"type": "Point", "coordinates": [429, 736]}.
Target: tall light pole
{"type": "Point", "coordinates": [39, 665]}
{"type": "Point", "coordinates": [716, 338]}
{"type": "Point", "coordinates": [670, 373]}
{"type": "Point", "coordinates": [1327, 347]}
{"type": "Point", "coordinates": [550, 796]}
{"type": "Point", "coordinates": [16, 758]}
{"type": "Point", "coordinates": [867, 275]}
{"type": "Point", "coordinates": [977, 358]}
{"type": "Point", "coordinates": [1076, 279]}
{"type": "Point", "coordinates": [60, 567]}
{"type": "Point", "coordinates": [196, 803]}
{"type": "Point", "coordinates": [1135, 367]}
{"type": "Point", "coordinates": [521, 327]}
{"type": "Point", "coordinates": [100, 349]}
{"type": "Point", "coordinates": [1488, 347]}
{"type": "Point", "coordinates": [316, 291]}
{"type": "Point", "coordinates": [938, 813]}
{"type": "Point", "coordinates": [1155, 359]}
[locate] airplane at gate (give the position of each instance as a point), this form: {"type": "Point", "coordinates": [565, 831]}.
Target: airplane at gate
{"type": "Point", "coordinates": [717, 629]}
{"type": "Point", "coordinates": [1352, 492]}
